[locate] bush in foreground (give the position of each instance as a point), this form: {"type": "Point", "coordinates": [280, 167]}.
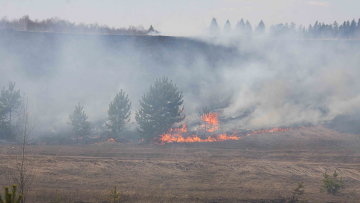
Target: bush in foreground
{"type": "Point", "coordinates": [11, 197]}
{"type": "Point", "coordinates": [332, 184]}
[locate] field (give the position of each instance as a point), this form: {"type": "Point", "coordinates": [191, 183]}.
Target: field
{"type": "Point", "coordinates": [261, 168]}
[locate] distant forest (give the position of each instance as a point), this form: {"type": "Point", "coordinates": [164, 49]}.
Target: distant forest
{"type": "Point", "coordinates": [349, 29]}
{"type": "Point", "coordinates": [58, 25]}
{"type": "Point", "coordinates": [346, 30]}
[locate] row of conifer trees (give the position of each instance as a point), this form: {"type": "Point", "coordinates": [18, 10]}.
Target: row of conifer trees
{"type": "Point", "coordinates": [346, 29]}
{"type": "Point", "coordinates": [160, 108]}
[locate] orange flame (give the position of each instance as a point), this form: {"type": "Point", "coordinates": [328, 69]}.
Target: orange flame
{"type": "Point", "coordinates": [169, 138]}
{"type": "Point", "coordinates": [211, 125]}
{"type": "Point", "coordinates": [211, 122]}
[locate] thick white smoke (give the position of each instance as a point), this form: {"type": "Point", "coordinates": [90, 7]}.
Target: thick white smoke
{"type": "Point", "coordinates": [254, 83]}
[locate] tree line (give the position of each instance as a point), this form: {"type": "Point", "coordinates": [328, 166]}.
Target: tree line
{"type": "Point", "coordinates": [349, 29]}
{"type": "Point", "coordinates": [58, 25]}
{"type": "Point", "coordinates": [160, 109]}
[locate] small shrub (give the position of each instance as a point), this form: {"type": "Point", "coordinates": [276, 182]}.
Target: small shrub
{"type": "Point", "coordinates": [332, 184]}
{"type": "Point", "coordinates": [11, 197]}
{"type": "Point", "coordinates": [115, 195]}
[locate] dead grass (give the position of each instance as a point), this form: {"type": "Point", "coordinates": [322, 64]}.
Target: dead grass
{"type": "Point", "coordinates": [253, 169]}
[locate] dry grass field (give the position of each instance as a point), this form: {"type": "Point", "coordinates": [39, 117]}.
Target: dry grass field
{"type": "Point", "coordinates": [261, 168]}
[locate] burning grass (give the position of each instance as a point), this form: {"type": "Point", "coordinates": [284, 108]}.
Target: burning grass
{"type": "Point", "coordinates": [210, 130]}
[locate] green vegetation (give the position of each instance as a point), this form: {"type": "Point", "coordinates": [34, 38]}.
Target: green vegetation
{"type": "Point", "coordinates": [332, 184]}
{"type": "Point", "coordinates": [160, 109]}
{"type": "Point", "coordinates": [115, 195]}
{"type": "Point", "coordinates": [78, 120]}
{"type": "Point", "coordinates": [11, 197]}
{"type": "Point", "coordinates": [10, 102]}
{"type": "Point", "coordinates": [118, 113]}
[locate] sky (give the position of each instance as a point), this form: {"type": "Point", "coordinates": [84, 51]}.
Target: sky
{"type": "Point", "coordinates": [185, 17]}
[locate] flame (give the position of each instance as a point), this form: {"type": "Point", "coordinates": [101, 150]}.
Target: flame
{"type": "Point", "coordinates": [182, 129]}
{"type": "Point", "coordinates": [211, 122]}
{"type": "Point", "coordinates": [169, 138]}
{"type": "Point", "coordinates": [210, 125]}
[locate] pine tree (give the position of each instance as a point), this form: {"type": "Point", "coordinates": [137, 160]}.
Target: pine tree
{"type": "Point", "coordinates": [214, 27]}
{"type": "Point", "coordinates": [160, 109]}
{"type": "Point", "coordinates": [241, 27]}
{"type": "Point", "coordinates": [78, 120]}
{"type": "Point", "coordinates": [118, 113]}
{"type": "Point", "coordinates": [352, 28]}
{"type": "Point", "coordinates": [248, 28]}
{"type": "Point", "coordinates": [335, 29]}
{"type": "Point", "coordinates": [227, 27]}
{"type": "Point", "coordinates": [261, 27]}
{"type": "Point", "coordinates": [10, 101]}
{"type": "Point", "coordinates": [2, 115]}
{"type": "Point", "coordinates": [358, 29]}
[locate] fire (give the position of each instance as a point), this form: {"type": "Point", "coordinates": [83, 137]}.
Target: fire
{"type": "Point", "coordinates": [176, 135]}
{"type": "Point", "coordinates": [209, 128]}
{"type": "Point", "coordinates": [210, 125]}
{"type": "Point", "coordinates": [168, 138]}
{"type": "Point", "coordinates": [182, 129]}
{"type": "Point", "coordinates": [211, 122]}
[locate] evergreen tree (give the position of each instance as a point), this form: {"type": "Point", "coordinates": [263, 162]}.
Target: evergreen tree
{"type": "Point", "coordinates": [10, 102]}
{"type": "Point", "coordinates": [316, 28]}
{"type": "Point", "coordinates": [261, 27]}
{"type": "Point", "coordinates": [347, 29]}
{"type": "Point", "coordinates": [335, 29]}
{"type": "Point", "coordinates": [3, 124]}
{"type": "Point", "coordinates": [160, 109]}
{"type": "Point", "coordinates": [118, 113]}
{"type": "Point", "coordinates": [78, 120]}
{"type": "Point", "coordinates": [227, 27]}
{"type": "Point", "coordinates": [358, 29]}
{"type": "Point", "coordinates": [240, 27]}
{"type": "Point", "coordinates": [151, 29]}
{"type": "Point", "coordinates": [248, 28]}
{"type": "Point", "coordinates": [352, 28]}
{"type": "Point", "coordinates": [214, 27]}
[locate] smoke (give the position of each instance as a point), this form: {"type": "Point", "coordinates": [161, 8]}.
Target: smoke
{"type": "Point", "coordinates": [252, 83]}
{"type": "Point", "coordinates": [297, 82]}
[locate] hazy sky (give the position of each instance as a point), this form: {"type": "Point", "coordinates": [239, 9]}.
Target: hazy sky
{"type": "Point", "coordinates": [185, 17]}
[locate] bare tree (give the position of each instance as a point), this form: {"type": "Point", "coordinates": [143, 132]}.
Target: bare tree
{"type": "Point", "coordinates": [22, 175]}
